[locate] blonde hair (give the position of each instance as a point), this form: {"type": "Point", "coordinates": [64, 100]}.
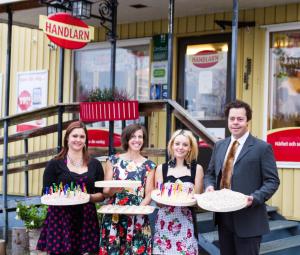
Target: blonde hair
{"type": "Point", "coordinates": [193, 154]}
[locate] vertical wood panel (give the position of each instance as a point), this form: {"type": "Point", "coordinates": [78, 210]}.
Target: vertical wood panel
{"type": "Point", "coordinates": [132, 30]}
{"type": "Point", "coordinates": [156, 27]}
{"type": "Point", "coordinates": [124, 31]}
{"type": "Point", "coordinates": [140, 29]}
{"type": "Point", "coordinates": [148, 28]}
{"type": "Point", "coordinates": [164, 26]}
{"type": "Point", "coordinates": [276, 199]}
{"type": "Point", "coordinates": [280, 14]}
{"type": "Point", "coordinates": [288, 190]}
{"type": "Point", "coordinates": [209, 22]}
{"type": "Point", "coordinates": [258, 81]}
{"type": "Point", "coordinates": [200, 23]}
{"type": "Point", "coordinates": [191, 24]}
{"type": "Point", "coordinates": [182, 25]}
{"type": "Point", "coordinates": [296, 192]}
{"type": "Point", "coordinates": [259, 16]}
{"type": "Point", "coordinates": [270, 15]}
{"type": "Point", "coordinates": [291, 12]}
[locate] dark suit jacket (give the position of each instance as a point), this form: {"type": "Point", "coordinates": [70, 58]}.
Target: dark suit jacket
{"type": "Point", "coordinates": [255, 174]}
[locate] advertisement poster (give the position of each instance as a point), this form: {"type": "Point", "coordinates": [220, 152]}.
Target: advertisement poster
{"type": "Point", "coordinates": [285, 143]}
{"type": "Point", "coordinates": [32, 93]}
{"type": "Point", "coordinates": [159, 67]}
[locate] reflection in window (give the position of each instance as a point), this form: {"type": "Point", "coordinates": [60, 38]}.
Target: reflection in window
{"type": "Point", "coordinates": [92, 70]}
{"type": "Point", "coordinates": [284, 93]}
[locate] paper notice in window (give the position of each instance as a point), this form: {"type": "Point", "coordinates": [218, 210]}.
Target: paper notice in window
{"type": "Point", "coordinates": [205, 82]}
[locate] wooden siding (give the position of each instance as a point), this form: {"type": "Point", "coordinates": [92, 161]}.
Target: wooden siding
{"type": "Point", "coordinates": [30, 51]}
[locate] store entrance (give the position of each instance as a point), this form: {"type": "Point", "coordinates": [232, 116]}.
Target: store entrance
{"type": "Point", "coordinates": [204, 83]}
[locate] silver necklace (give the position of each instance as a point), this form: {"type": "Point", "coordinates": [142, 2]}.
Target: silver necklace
{"type": "Point", "coordinates": [77, 164]}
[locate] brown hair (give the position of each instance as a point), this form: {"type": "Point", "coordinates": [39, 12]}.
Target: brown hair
{"type": "Point", "coordinates": [65, 149]}
{"type": "Point", "coordinates": [239, 104]}
{"type": "Point", "coordinates": [129, 131]}
{"type": "Point", "coordinates": [193, 154]}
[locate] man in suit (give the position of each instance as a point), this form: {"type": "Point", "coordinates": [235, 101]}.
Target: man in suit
{"type": "Point", "coordinates": [253, 173]}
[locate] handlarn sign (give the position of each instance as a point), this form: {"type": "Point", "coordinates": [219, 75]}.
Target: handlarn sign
{"type": "Point", "coordinates": [66, 31]}
{"type": "Point", "coordinates": [206, 58]}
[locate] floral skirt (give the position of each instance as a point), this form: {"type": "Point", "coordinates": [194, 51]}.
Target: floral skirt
{"type": "Point", "coordinates": [174, 232]}
{"type": "Point", "coordinates": [70, 230]}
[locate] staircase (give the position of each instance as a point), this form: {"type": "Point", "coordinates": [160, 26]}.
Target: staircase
{"type": "Point", "coordinates": [284, 238]}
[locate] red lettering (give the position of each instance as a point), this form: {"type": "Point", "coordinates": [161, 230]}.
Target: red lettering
{"type": "Point", "coordinates": [80, 34]}
{"type": "Point", "coordinates": [48, 27]}
{"type": "Point", "coordinates": [86, 35]}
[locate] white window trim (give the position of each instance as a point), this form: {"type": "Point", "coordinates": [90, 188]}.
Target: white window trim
{"type": "Point", "coordinates": [103, 45]}
{"type": "Point", "coordinates": [269, 29]}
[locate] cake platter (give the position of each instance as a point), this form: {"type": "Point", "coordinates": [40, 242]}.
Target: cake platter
{"type": "Point", "coordinates": [126, 209]}
{"type": "Point", "coordinates": [224, 200]}
{"type": "Point", "coordinates": [118, 184]}
{"type": "Point", "coordinates": [156, 196]}
{"type": "Point", "coordinates": [56, 200]}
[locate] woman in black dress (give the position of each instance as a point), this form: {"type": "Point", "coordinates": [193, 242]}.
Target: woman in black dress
{"type": "Point", "coordinates": [72, 229]}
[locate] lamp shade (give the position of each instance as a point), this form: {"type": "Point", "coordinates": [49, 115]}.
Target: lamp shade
{"type": "Point", "coordinates": [81, 9]}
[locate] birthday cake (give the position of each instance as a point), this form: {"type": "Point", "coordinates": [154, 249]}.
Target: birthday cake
{"type": "Point", "coordinates": [174, 194]}
{"type": "Point", "coordinates": [63, 196]}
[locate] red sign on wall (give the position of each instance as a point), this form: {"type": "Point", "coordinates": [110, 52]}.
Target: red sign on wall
{"type": "Point", "coordinates": [66, 31]}
{"type": "Point", "coordinates": [100, 138]}
{"type": "Point", "coordinates": [285, 143]}
{"type": "Point", "coordinates": [24, 100]}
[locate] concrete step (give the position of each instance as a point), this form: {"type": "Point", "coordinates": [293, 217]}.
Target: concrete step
{"type": "Point", "coordinates": [207, 216]}
{"type": "Point", "coordinates": [280, 244]}
{"type": "Point", "coordinates": [274, 225]}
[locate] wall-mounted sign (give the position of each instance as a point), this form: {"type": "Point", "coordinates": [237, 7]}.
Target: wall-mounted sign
{"type": "Point", "coordinates": [285, 143]}
{"type": "Point", "coordinates": [66, 31]}
{"type": "Point", "coordinates": [159, 67]}
{"type": "Point", "coordinates": [32, 93]}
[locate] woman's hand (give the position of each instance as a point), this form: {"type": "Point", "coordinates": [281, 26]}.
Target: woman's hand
{"type": "Point", "coordinates": [97, 197]}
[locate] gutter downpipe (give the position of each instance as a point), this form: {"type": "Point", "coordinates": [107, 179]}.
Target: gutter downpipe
{"type": "Point", "coordinates": [170, 70]}
{"type": "Point", "coordinates": [6, 123]}
{"type": "Point", "coordinates": [234, 38]}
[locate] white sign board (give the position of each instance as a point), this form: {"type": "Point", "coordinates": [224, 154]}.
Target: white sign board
{"type": "Point", "coordinates": [32, 93]}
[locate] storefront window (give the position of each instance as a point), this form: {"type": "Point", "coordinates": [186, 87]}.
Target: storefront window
{"type": "Point", "coordinates": [284, 93]}
{"type": "Point", "coordinates": [284, 97]}
{"type": "Point", "coordinates": [92, 70]}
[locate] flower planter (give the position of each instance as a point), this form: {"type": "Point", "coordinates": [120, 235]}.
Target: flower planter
{"type": "Point", "coordinates": [33, 236]}
{"type": "Point", "coordinates": [103, 111]}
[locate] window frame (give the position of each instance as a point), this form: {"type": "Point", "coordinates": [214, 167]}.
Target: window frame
{"type": "Point", "coordinates": [268, 30]}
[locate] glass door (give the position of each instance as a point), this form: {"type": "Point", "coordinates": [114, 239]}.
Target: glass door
{"type": "Point", "coordinates": [204, 80]}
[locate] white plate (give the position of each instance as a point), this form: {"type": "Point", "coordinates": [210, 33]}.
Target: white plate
{"type": "Point", "coordinates": [46, 200]}
{"type": "Point", "coordinates": [126, 209]}
{"type": "Point", "coordinates": [118, 184]}
{"type": "Point", "coordinates": [155, 195]}
{"type": "Point", "coordinates": [224, 200]}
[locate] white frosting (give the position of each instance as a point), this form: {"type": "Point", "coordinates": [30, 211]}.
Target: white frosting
{"type": "Point", "coordinates": [70, 198]}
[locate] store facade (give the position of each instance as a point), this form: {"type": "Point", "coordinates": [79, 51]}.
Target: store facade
{"type": "Point", "coordinates": [267, 76]}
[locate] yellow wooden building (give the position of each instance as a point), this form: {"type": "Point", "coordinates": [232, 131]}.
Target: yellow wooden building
{"type": "Point", "coordinates": [30, 51]}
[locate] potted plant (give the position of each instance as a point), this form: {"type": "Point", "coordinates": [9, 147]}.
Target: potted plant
{"type": "Point", "coordinates": [105, 104]}
{"type": "Point", "coordinates": [33, 217]}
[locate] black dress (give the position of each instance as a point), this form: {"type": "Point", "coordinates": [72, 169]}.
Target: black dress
{"type": "Point", "coordinates": [71, 229]}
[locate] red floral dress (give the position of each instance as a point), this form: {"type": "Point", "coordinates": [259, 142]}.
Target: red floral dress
{"type": "Point", "coordinates": [174, 229]}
